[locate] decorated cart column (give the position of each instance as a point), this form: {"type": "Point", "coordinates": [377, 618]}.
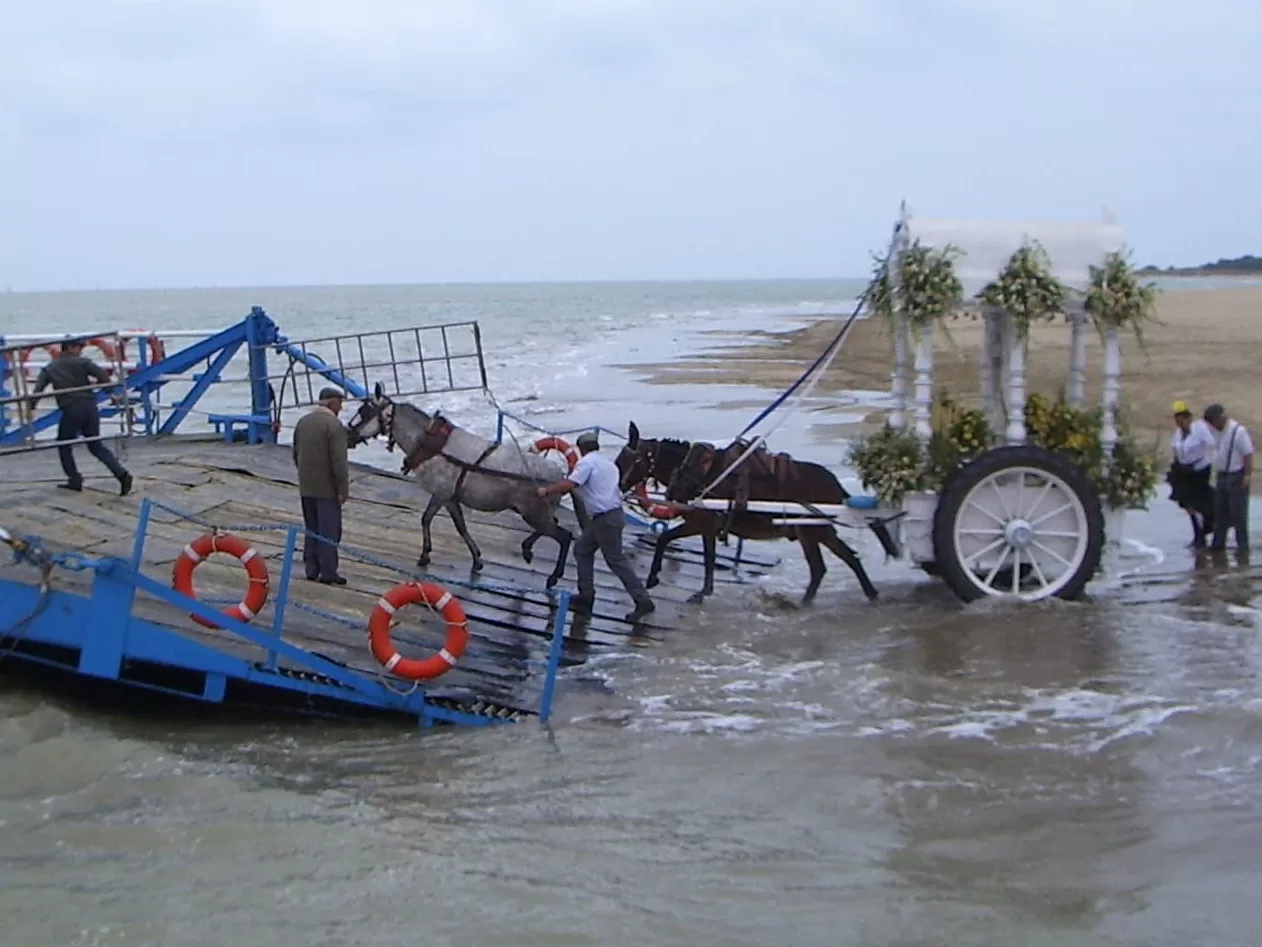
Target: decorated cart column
{"type": "Point", "coordinates": [1007, 498]}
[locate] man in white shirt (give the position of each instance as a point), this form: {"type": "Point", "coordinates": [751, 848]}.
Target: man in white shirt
{"type": "Point", "coordinates": [1233, 473]}
{"type": "Point", "coordinates": [595, 478]}
{"type": "Point", "coordinates": [1193, 446]}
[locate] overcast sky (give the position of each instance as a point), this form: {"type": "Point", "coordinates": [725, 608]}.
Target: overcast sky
{"type": "Point", "coordinates": [230, 142]}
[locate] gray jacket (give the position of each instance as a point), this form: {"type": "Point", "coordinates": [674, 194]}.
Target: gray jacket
{"type": "Point", "coordinates": [71, 371]}
{"type": "Point", "coordinates": [320, 456]}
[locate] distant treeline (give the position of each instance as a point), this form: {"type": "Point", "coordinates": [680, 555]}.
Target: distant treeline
{"type": "Point", "coordinates": [1237, 266]}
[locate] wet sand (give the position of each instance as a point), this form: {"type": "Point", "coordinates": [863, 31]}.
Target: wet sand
{"type": "Point", "coordinates": [1205, 346]}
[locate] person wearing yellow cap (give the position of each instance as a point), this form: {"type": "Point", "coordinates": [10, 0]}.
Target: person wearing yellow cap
{"type": "Point", "coordinates": [1193, 446]}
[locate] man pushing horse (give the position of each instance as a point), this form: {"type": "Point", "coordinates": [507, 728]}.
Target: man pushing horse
{"type": "Point", "coordinates": [595, 478]}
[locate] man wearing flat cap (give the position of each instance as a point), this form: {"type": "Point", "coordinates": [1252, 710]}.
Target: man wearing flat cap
{"type": "Point", "coordinates": [1233, 472]}
{"type": "Point", "coordinates": [595, 477]}
{"type": "Point", "coordinates": [320, 454]}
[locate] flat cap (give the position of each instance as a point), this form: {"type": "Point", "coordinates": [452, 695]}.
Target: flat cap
{"type": "Point", "coordinates": [1214, 412]}
{"type": "Point", "coordinates": [588, 439]}
{"type": "Point", "coordinates": [328, 394]}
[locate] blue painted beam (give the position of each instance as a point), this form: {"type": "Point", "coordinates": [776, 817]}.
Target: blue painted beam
{"type": "Point", "coordinates": [71, 621]}
{"type": "Point", "coordinates": [206, 379]}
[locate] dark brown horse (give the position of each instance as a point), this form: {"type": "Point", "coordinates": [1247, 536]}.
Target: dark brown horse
{"type": "Point", "coordinates": [682, 467]}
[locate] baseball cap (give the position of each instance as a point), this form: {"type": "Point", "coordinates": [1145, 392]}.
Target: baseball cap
{"type": "Point", "coordinates": [1180, 407]}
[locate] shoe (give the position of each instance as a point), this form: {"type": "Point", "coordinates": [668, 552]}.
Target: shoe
{"type": "Point", "coordinates": [336, 580]}
{"type": "Point", "coordinates": [640, 611]}
{"type": "Point", "coordinates": [124, 485]}
{"type": "Point", "coordinates": [75, 485]}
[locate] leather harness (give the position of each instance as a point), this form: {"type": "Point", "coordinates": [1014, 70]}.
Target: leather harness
{"type": "Point", "coordinates": [433, 443]}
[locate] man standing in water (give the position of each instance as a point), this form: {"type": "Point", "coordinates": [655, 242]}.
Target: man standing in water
{"type": "Point", "coordinates": [320, 454]}
{"type": "Point", "coordinates": [1233, 472]}
{"type": "Point", "coordinates": [80, 416]}
{"type": "Point", "coordinates": [1193, 446]}
{"type": "Point", "coordinates": [595, 477]}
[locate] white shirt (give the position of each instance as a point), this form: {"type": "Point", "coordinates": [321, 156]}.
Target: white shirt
{"type": "Point", "coordinates": [1234, 445]}
{"type": "Point", "coordinates": [597, 478]}
{"type": "Point", "coordinates": [1197, 447]}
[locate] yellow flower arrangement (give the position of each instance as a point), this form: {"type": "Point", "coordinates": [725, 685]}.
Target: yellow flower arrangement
{"type": "Point", "coordinates": [1131, 477]}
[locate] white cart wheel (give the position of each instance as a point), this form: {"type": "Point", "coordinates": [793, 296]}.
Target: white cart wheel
{"type": "Point", "coordinates": [1018, 522]}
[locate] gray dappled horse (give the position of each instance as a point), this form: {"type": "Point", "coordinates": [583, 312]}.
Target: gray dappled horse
{"type": "Point", "coordinates": [458, 469]}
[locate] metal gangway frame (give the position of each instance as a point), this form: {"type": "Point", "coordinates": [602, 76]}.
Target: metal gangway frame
{"type": "Point", "coordinates": [409, 362]}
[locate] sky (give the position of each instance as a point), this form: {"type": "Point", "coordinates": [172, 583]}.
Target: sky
{"type": "Point", "coordinates": [274, 142]}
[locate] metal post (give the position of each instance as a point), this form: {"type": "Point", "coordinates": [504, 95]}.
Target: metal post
{"type": "Point", "coordinates": [260, 390]}
{"type": "Point", "coordinates": [142, 530]}
{"type": "Point", "coordinates": [282, 597]}
{"type": "Point", "coordinates": [554, 655]}
{"type": "Point", "coordinates": [4, 387]}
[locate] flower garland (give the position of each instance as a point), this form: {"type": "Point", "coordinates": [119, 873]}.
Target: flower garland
{"type": "Point", "coordinates": [926, 291]}
{"type": "Point", "coordinates": [1129, 479]}
{"type": "Point", "coordinates": [1026, 289]}
{"type": "Point", "coordinates": [892, 463]}
{"type": "Point", "coordinates": [1117, 300]}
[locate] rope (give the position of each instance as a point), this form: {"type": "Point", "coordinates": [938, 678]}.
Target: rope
{"type": "Point", "coordinates": [817, 370]}
{"type": "Point", "coordinates": [17, 631]}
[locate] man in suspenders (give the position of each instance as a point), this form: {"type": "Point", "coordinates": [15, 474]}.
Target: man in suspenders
{"type": "Point", "coordinates": [1233, 471]}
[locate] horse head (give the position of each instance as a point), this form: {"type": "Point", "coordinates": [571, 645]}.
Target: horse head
{"type": "Point", "coordinates": [635, 460]}
{"type": "Point", "coordinates": [375, 416]}
{"type": "Point", "coordinates": [692, 472]}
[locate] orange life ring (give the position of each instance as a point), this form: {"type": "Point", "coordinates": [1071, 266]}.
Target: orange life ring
{"type": "Point", "coordinates": [656, 510]}
{"type": "Point", "coordinates": [557, 444]}
{"type": "Point", "coordinates": [418, 593]}
{"type": "Point", "coordinates": [210, 543]}
{"type": "Point", "coordinates": [157, 348]}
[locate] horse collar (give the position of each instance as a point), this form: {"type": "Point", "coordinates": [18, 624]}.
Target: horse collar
{"type": "Point", "coordinates": [431, 445]}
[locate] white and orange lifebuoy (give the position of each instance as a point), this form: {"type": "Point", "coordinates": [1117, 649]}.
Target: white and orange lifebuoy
{"type": "Point", "coordinates": [659, 511]}
{"type": "Point", "coordinates": [545, 444]}
{"type": "Point", "coordinates": [206, 545]}
{"type": "Point", "coordinates": [441, 601]}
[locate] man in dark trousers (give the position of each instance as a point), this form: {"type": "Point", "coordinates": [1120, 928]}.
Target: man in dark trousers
{"type": "Point", "coordinates": [80, 416]}
{"type": "Point", "coordinates": [323, 484]}
{"type": "Point", "coordinates": [595, 477]}
{"type": "Point", "coordinates": [1233, 473]}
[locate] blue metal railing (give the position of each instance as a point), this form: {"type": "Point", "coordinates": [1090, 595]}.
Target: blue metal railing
{"type": "Point", "coordinates": [118, 580]}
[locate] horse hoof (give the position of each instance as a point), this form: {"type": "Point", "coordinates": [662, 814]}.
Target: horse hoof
{"type": "Point", "coordinates": [696, 598]}
{"type": "Point", "coordinates": [527, 555]}
{"type": "Point", "coordinates": [477, 565]}
{"type": "Point", "coordinates": [552, 581]}
{"type": "Point", "coordinates": [651, 582]}
{"type": "Point", "coordinates": [423, 561]}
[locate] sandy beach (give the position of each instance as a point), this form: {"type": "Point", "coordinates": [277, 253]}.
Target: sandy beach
{"type": "Point", "coordinates": [1204, 346]}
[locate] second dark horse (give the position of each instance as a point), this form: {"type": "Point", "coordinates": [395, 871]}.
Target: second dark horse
{"type": "Point", "coordinates": [685, 468]}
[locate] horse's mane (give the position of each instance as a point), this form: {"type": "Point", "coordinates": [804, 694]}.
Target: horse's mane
{"type": "Point", "coordinates": [412, 409]}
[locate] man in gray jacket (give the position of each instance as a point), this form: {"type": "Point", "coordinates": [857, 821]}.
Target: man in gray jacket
{"type": "Point", "coordinates": [80, 416]}
{"type": "Point", "coordinates": [323, 484]}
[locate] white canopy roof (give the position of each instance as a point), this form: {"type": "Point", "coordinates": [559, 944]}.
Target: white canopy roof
{"type": "Point", "coordinates": [987, 245]}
